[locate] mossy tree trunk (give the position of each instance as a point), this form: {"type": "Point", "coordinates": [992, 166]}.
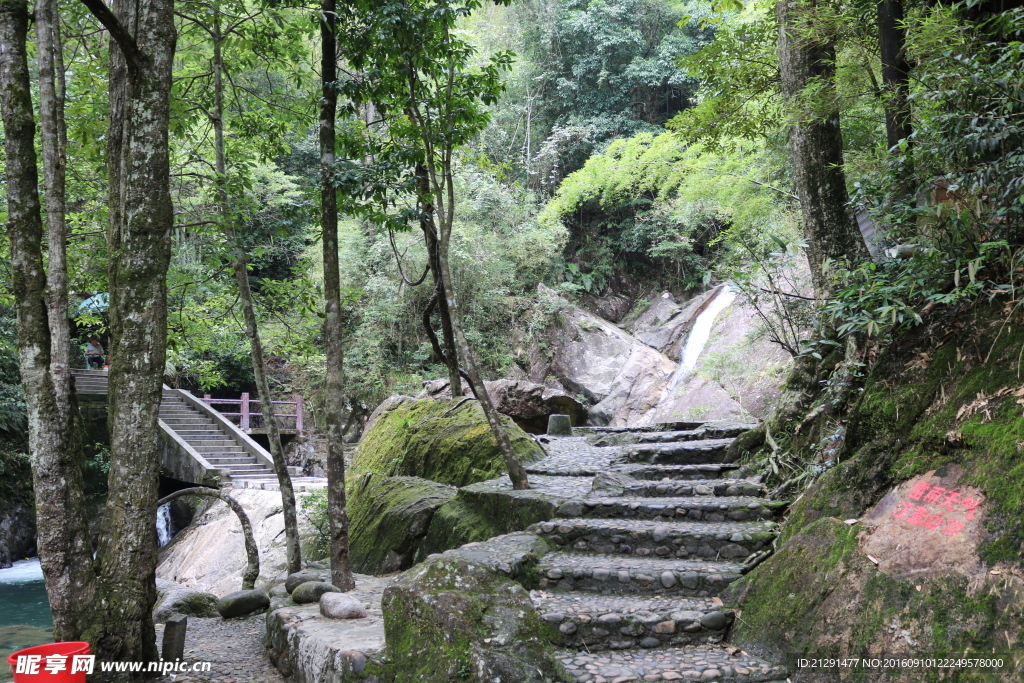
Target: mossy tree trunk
{"type": "Point", "coordinates": [341, 567]}
{"type": "Point", "coordinates": [240, 265]}
{"type": "Point", "coordinates": [807, 57]}
{"type": "Point", "coordinates": [63, 540]}
{"type": "Point", "coordinates": [141, 218]}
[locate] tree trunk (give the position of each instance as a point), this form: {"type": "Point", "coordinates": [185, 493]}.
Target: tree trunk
{"type": "Point", "coordinates": [252, 553]}
{"type": "Point", "coordinates": [895, 72]}
{"type": "Point", "coordinates": [63, 541]}
{"type": "Point", "coordinates": [808, 55]}
{"type": "Point", "coordinates": [240, 264]}
{"type": "Point", "coordinates": [450, 357]}
{"type": "Point", "coordinates": [516, 472]}
{"type": "Point", "coordinates": [141, 221]}
{"type": "Point", "coordinates": [341, 568]}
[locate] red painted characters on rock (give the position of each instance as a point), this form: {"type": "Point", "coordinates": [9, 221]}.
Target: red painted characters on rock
{"type": "Point", "coordinates": [938, 497]}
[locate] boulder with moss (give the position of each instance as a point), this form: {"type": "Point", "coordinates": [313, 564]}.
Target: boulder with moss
{"type": "Point", "coordinates": [913, 543]}
{"type": "Point", "coordinates": [451, 618]}
{"type": "Point", "coordinates": [388, 518]}
{"type": "Point", "coordinates": [445, 441]}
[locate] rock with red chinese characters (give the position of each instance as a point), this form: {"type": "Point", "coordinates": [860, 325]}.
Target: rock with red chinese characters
{"type": "Point", "coordinates": [928, 525]}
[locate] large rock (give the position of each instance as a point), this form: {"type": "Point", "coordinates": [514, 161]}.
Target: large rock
{"type": "Point", "coordinates": [595, 359]}
{"type": "Point", "coordinates": [294, 580]}
{"type": "Point", "coordinates": [341, 606]}
{"type": "Point", "coordinates": [177, 599]}
{"type": "Point", "coordinates": [528, 403]}
{"type": "Point", "coordinates": [388, 518]}
{"type": "Point", "coordinates": [451, 619]}
{"type": "Point", "coordinates": [444, 441]}
{"type": "Point", "coordinates": [241, 603]}
{"type": "Point", "coordinates": [311, 591]}
{"type": "Point", "coordinates": [210, 555]}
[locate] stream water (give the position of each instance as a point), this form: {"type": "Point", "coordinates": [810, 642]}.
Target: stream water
{"type": "Point", "coordinates": [25, 615]}
{"type": "Point", "coordinates": [699, 335]}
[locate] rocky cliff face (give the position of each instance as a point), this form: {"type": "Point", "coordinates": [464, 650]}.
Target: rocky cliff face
{"type": "Point", "coordinates": [633, 377]}
{"type": "Point", "coordinates": [17, 532]}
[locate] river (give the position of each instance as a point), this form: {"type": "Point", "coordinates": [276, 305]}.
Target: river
{"type": "Point", "coordinates": [25, 617]}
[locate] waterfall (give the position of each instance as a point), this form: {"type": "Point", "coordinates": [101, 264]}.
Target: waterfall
{"type": "Point", "coordinates": [700, 333]}
{"type": "Point", "coordinates": [163, 525]}
{"type": "Point", "coordinates": [701, 330]}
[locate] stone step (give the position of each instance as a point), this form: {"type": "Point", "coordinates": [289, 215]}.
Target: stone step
{"type": "Point", "coordinates": [692, 487]}
{"type": "Point", "coordinates": [566, 571]}
{"type": "Point", "coordinates": [676, 472]}
{"type": "Point", "coordinates": [646, 538]}
{"type": "Point", "coordinates": [680, 453]}
{"type": "Point", "coordinates": [218, 442]}
{"type": "Point", "coordinates": [227, 448]}
{"type": "Point", "coordinates": [705, 663]}
{"type": "Point", "coordinates": [228, 461]}
{"type": "Point", "coordinates": [694, 508]}
{"type": "Point", "coordinates": [617, 622]}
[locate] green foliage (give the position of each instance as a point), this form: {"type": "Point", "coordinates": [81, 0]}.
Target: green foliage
{"type": "Point", "coordinates": [313, 507]}
{"type": "Point", "coordinates": [652, 202]}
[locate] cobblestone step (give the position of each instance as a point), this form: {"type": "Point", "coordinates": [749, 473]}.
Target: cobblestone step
{"type": "Point", "coordinates": [616, 622]}
{"type": "Point", "coordinates": [717, 663]}
{"type": "Point", "coordinates": [681, 453]}
{"type": "Point", "coordinates": [692, 487]}
{"type": "Point", "coordinates": [644, 538]}
{"type": "Point", "coordinates": [599, 573]}
{"type": "Point", "coordinates": [677, 472]}
{"type": "Point", "coordinates": [694, 508]}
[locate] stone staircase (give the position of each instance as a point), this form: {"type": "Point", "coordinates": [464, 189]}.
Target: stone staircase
{"type": "Point", "coordinates": [199, 430]}
{"type": "Point", "coordinates": [633, 585]}
{"type": "Point", "coordinates": [219, 449]}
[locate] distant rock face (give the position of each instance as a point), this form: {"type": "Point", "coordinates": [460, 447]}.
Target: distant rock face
{"type": "Point", "coordinates": [635, 380]}
{"type": "Point", "coordinates": [528, 403]}
{"type": "Point", "coordinates": [594, 358]}
{"type": "Point", "coordinates": [17, 533]}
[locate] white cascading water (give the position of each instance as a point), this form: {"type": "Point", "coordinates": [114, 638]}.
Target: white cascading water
{"type": "Point", "coordinates": [22, 571]}
{"type": "Point", "coordinates": [163, 524]}
{"type": "Point", "coordinates": [701, 332]}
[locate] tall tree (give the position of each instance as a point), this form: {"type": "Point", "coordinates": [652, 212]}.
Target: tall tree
{"type": "Point", "coordinates": [63, 540]}
{"type": "Point", "coordinates": [141, 217]}
{"type": "Point", "coordinates": [807, 56]}
{"type": "Point", "coordinates": [341, 568]}
{"type": "Point", "coordinates": [895, 71]}
{"type": "Point", "coordinates": [423, 80]}
{"type": "Point", "coordinates": [241, 267]}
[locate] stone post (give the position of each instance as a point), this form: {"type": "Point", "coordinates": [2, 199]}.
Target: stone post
{"type": "Point", "coordinates": [174, 638]}
{"type": "Point", "coordinates": [559, 425]}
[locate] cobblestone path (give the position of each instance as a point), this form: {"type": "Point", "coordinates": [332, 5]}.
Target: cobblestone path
{"type": "Point", "coordinates": [660, 527]}
{"type": "Point", "coordinates": [233, 647]}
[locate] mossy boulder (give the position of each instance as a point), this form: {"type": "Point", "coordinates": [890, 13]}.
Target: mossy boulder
{"type": "Point", "coordinates": [311, 591]}
{"type": "Point", "coordinates": [241, 603]}
{"type": "Point", "coordinates": [445, 441]}
{"type": "Point", "coordinates": [183, 600]}
{"type": "Point", "coordinates": [486, 509]}
{"type": "Point", "coordinates": [388, 518]}
{"type": "Point", "coordinates": [941, 402]}
{"type": "Point", "coordinates": [450, 619]}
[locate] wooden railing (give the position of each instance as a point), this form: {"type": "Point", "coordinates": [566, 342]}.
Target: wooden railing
{"type": "Point", "coordinates": [250, 414]}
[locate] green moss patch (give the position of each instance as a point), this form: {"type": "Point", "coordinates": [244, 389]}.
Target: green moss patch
{"type": "Point", "coordinates": [444, 441]}
{"type": "Point", "coordinates": [388, 517]}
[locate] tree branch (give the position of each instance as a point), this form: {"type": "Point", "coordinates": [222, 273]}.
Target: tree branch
{"type": "Point", "coordinates": [125, 41]}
